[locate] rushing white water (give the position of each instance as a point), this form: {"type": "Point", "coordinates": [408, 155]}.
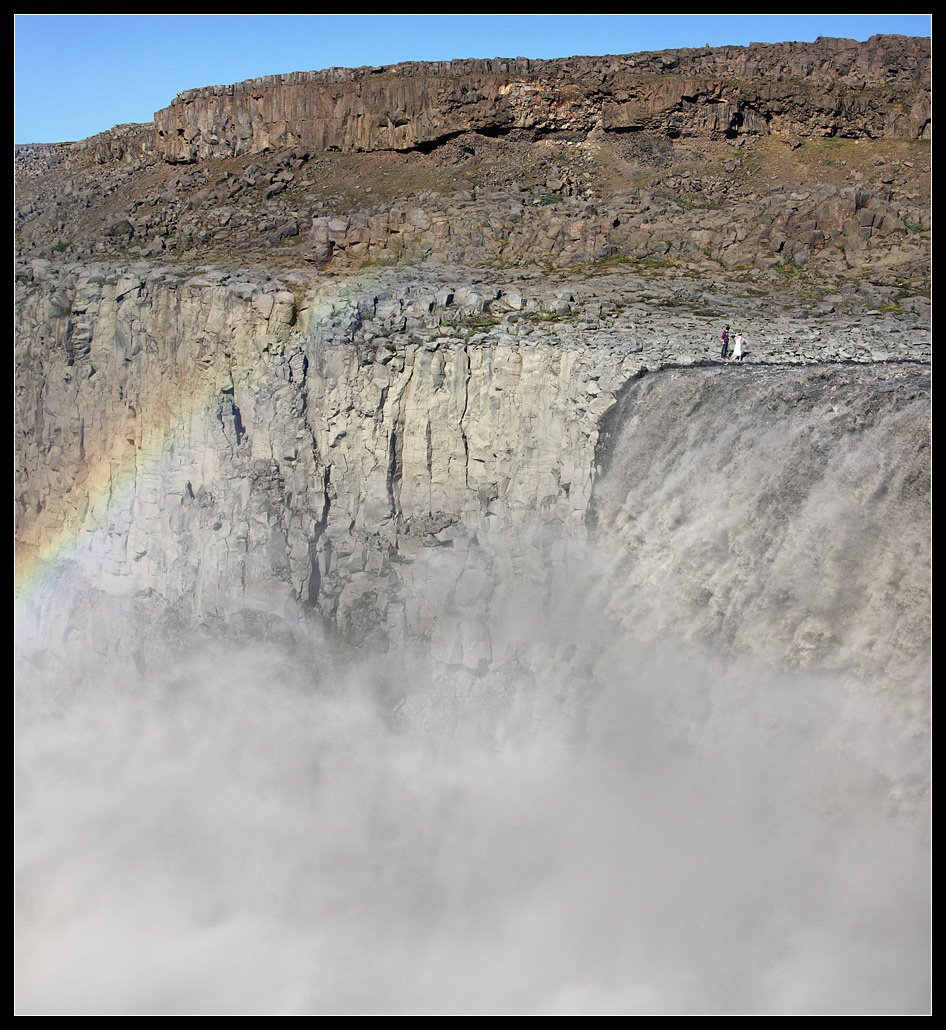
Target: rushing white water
{"type": "Point", "coordinates": [776, 511]}
{"type": "Point", "coordinates": [675, 798]}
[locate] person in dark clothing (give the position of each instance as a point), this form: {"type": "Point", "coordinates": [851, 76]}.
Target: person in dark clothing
{"type": "Point", "coordinates": [724, 353]}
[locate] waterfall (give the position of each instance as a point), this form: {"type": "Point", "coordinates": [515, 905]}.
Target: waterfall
{"type": "Point", "coordinates": [693, 778]}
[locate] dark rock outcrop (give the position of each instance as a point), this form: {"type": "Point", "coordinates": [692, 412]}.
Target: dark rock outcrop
{"type": "Point", "coordinates": [880, 88]}
{"type": "Point", "coordinates": [787, 156]}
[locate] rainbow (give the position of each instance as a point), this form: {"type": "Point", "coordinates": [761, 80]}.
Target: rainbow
{"type": "Point", "coordinates": [50, 547]}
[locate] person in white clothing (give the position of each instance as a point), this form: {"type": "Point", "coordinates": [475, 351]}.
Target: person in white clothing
{"type": "Point", "coordinates": [737, 347]}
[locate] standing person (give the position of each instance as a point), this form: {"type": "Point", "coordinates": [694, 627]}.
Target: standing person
{"type": "Point", "coordinates": [724, 353]}
{"type": "Point", "coordinates": [737, 347]}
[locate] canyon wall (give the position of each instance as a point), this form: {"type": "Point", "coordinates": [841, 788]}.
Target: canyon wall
{"type": "Point", "coordinates": [831, 87]}
{"type": "Point", "coordinates": [415, 611]}
{"type": "Point", "coordinates": [834, 229]}
{"type": "Point", "coordinates": [382, 454]}
{"type": "Point", "coordinates": [781, 156]}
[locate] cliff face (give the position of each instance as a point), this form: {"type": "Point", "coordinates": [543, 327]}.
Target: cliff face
{"type": "Point", "coordinates": [230, 447]}
{"type": "Point", "coordinates": [832, 87]}
{"type": "Point", "coordinates": [834, 230]}
{"type": "Point", "coordinates": [385, 448]}
{"type": "Point", "coordinates": [383, 454]}
{"type": "Point", "coordinates": [789, 156]}
{"type": "Point", "coordinates": [404, 579]}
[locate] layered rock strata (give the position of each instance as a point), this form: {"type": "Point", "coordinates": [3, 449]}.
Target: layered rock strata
{"type": "Point", "coordinates": [837, 229]}
{"type": "Point", "coordinates": [878, 88]}
{"type": "Point", "coordinates": [736, 158]}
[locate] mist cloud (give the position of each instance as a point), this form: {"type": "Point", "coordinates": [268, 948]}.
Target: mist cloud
{"type": "Point", "coordinates": [227, 828]}
{"type": "Point", "coordinates": [683, 771]}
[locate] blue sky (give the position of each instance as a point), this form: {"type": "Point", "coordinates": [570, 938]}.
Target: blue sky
{"type": "Point", "coordinates": [81, 74]}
